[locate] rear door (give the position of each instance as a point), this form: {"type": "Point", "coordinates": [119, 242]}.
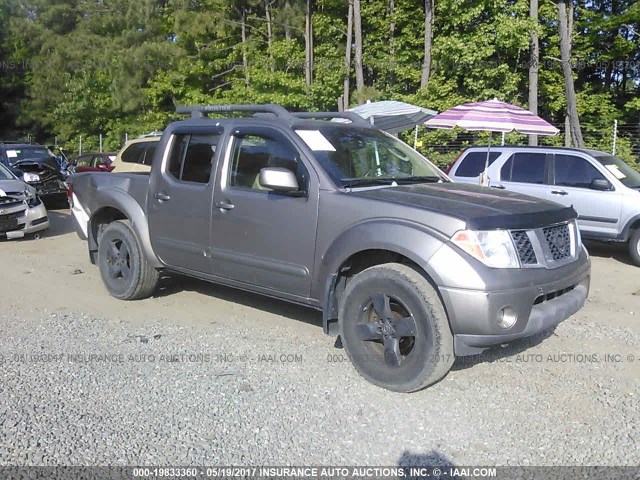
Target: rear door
{"type": "Point", "coordinates": [260, 237]}
{"type": "Point", "coordinates": [598, 210]}
{"type": "Point", "coordinates": [526, 172]}
{"type": "Point", "coordinates": [180, 196]}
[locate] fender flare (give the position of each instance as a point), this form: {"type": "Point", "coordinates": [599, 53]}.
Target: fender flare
{"type": "Point", "coordinates": [409, 239]}
{"type": "Point", "coordinates": [626, 231]}
{"type": "Point", "coordinates": [130, 208]}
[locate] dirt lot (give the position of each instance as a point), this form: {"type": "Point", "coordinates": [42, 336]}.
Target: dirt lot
{"type": "Point", "coordinates": [255, 381]}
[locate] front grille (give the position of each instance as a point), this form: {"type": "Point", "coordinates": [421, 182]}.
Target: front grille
{"type": "Point", "coordinates": [9, 222]}
{"type": "Point", "coordinates": [558, 241]}
{"type": "Point", "coordinates": [9, 202]}
{"type": "Point", "coordinates": [524, 247]}
{"type": "Point", "coordinates": [11, 216]}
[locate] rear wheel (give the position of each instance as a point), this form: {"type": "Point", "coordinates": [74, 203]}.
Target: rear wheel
{"type": "Point", "coordinates": [394, 328]}
{"type": "Point", "coordinates": [123, 267]}
{"type": "Point", "coordinates": [634, 246]}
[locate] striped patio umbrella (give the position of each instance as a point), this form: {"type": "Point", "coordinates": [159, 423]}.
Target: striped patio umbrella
{"type": "Point", "coordinates": [392, 116]}
{"type": "Point", "coordinates": [492, 116]}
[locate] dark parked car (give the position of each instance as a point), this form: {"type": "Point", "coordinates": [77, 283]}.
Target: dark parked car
{"type": "Point", "coordinates": [37, 166]}
{"type": "Point", "coordinates": [93, 162]}
{"type": "Point", "coordinates": [408, 268]}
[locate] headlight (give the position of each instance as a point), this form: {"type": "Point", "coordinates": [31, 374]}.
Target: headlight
{"type": "Point", "coordinates": [31, 197]}
{"type": "Point", "coordinates": [492, 247]}
{"type": "Point", "coordinates": [30, 177]}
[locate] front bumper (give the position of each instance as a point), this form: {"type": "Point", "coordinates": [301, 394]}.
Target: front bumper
{"type": "Point", "coordinates": [473, 314]}
{"type": "Point", "coordinates": [35, 219]}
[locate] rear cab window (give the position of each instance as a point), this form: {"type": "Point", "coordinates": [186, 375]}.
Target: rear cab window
{"type": "Point", "coordinates": [192, 157]}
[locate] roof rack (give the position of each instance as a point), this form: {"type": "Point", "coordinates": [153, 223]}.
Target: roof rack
{"type": "Point", "coordinates": [200, 111]}
{"type": "Point", "coordinates": [351, 116]}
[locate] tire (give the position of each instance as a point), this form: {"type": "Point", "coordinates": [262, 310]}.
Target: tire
{"type": "Point", "coordinates": [408, 304]}
{"type": "Point", "coordinates": [634, 247]}
{"type": "Point", "coordinates": [123, 267]}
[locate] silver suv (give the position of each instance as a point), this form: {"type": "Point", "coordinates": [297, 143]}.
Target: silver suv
{"type": "Point", "coordinates": [603, 189]}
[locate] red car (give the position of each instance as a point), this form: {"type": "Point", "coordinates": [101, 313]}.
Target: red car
{"type": "Point", "coordinates": [94, 162]}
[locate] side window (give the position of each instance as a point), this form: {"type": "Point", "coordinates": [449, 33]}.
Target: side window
{"type": "Point", "coordinates": [84, 161]}
{"type": "Point", "coordinates": [252, 153]}
{"type": "Point", "coordinates": [149, 150]}
{"type": "Point", "coordinates": [192, 156]}
{"type": "Point", "coordinates": [134, 154]}
{"type": "Point", "coordinates": [572, 171]}
{"type": "Point", "coordinates": [473, 164]}
{"type": "Point", "coordinates": [526, 167]}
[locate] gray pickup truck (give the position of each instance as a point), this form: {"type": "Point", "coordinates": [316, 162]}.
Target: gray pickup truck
{"type": "Point", "coordinates": [324, 210]}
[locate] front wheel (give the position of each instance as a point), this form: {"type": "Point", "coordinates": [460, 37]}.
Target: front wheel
{"type": "Point", "coordinates": [394, 328]}
{"type": "Point", "coordinates": [634, 246]}
{"type": "Point", "coordinates": [123, 267]}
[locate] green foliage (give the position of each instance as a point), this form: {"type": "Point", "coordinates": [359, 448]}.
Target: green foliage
{"type": "Point", "coordinates": [117, 67]}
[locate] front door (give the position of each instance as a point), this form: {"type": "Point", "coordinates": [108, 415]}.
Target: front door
{"type": "Point", "coordinates": [598, 210]}
{"type": "Point", "coordinates": [180, 196]}
{"type": "Point", "coordinates": [261, 237]}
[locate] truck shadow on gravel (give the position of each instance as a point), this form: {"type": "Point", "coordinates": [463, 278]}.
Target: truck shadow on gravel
{"type": "Point", "coordinates": [171, 284]}
{"type": "Point", "coordinates": [615, 251]}
{"type": "Point", "coordinates": [499, 353]}
{"type": "Point", "coordinates": [60, 222]}
{"type": "Point", "coordinates": [430, 459]}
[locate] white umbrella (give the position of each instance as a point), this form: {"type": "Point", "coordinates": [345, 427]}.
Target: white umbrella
{"type": "Point", "coordinates": [393, 116]}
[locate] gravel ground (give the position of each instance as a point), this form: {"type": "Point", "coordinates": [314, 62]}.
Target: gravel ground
{"type": "Point", "coordinates": [205, 375]}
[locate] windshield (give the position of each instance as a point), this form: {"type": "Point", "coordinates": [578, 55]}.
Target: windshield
{"type": "Point", "coordinates": [623, 172]}
{"type": "Point", "coordinates": [5, 174]}
{"type": "Point", "coordinates": [362, 157]}
{"type": "Point", "coordinates": [23, 152]}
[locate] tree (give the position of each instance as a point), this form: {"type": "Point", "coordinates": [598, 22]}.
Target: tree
{"type": "Point", "coordinates": [357, 30]}
{"type": "Point", "coordinates": [534, 60]}
{"type": "Point", "coordinates": [308, 43]}
{"type": "Point", "coordinates": [565, 26]}
{"type": "Point", "coordinates": [347, 57]}
{"type": "Point", "coordinates": [428, 42]}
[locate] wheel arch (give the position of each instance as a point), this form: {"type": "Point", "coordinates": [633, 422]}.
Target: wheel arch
{"type": "Point", "coordinates": [117, 205]}
{"type": "Point", "coordinates": [632, 224]}
{"type": "Point", "coordinates": [368, 244]}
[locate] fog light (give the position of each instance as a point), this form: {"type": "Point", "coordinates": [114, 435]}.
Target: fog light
{"type": "Point", "coordinates": [507, 317]}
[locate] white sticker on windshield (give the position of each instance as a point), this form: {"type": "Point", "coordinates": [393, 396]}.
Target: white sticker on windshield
{"type": "Point", "coordinates": [316, 141]}
{"type": "Point", "coordinates": [616, 171]}
{"type": "Point", "coordinates": [12, 153]}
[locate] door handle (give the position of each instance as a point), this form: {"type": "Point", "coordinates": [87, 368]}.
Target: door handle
{"type": "Point", "coordinates": [163, 197]}
{"type": "Point", "coordinates": [559, 192]}
{"type": "Point", "coordinates": [499, 187]}
{"type": "Point", "coordinates": [225, 205]}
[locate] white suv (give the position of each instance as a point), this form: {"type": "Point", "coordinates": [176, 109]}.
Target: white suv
{"type": "Point", "coordinates": [603, 189]}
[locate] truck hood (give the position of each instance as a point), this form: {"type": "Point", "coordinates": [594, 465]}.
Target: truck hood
{"type": "Point", "coordinates": [480, 207]}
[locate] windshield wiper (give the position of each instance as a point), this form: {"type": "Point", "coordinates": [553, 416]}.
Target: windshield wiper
{"type": "Point", "coordinates": [362, 182]}
{"type": "Point", "coordinates": [418, 179]}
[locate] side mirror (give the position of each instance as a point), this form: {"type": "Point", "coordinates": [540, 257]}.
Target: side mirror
{"type": "Point", "coordinates": [103, 167]}
{"type": "Point", "coordinates": [278, 179]}
{"type": "Point", "coordinates": [600, 184]}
